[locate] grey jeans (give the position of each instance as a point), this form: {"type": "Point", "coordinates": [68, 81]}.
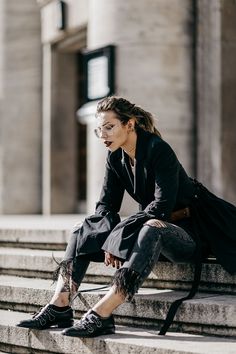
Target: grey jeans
{"type": "Point", "coordinates": [170, 240]}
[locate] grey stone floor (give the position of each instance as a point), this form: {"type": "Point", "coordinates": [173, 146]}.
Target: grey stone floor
{"type": "Point", "coordinates": [40, 221]}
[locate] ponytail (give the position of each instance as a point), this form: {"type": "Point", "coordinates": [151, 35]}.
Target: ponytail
{"type": "Point", "coordinates": [126, 110]}
{"type": "Point", "coordinates": [145, 120]}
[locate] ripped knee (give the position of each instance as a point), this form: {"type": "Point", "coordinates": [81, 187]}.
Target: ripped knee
{"type": "Point", "coordinates": [155, 223]}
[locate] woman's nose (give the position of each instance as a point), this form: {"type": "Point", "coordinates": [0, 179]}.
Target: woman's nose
{"type": "Point", "coordinates": [103, 134]}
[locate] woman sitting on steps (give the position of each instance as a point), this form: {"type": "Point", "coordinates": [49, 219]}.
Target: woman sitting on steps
{"type": "Point", "coordinates": [178, 218]}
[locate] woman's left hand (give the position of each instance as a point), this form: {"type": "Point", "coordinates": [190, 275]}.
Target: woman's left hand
{"type": "Point", "coordinates": [113, 260]}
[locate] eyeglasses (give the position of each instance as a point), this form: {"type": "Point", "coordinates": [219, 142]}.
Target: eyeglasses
{"type": "Point", "coordinates": [107, 130]}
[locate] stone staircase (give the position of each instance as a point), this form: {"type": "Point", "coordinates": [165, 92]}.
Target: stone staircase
{"type": "Point", "coordinates": [205, 324]}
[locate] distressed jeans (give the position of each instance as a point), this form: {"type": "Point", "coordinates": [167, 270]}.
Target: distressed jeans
{"type": "Point", "coordinates": [170, 240]}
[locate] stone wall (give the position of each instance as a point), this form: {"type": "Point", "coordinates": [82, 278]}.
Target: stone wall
{"type": "Point", "coordinates": [162, 47]}
{"type": "Point", "coordinates": [153, 67]}
{"type": "Point", "coordinates": [228, 69]}
{"type": "Point", "coordinates": [20, 123]}
{"type": "Point", "coordinates": [216, 72]}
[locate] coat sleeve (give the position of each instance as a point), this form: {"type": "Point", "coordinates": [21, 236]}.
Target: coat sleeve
{"type": "Point", "coordinates": [95, 228]}
{"type": "Point", "coordinates": [112, 192]}
{"type": "Point", "coordinates": [166, 171]}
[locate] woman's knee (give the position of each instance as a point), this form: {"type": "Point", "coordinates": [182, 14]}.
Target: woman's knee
{"type": "Point", "coordinates": [149, 234]}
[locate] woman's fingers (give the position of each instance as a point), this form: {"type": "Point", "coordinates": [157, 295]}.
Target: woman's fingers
{"type": "Point", "coordinates": [117, 263]}
{"type": "Point", "coordinates": [112, 260]}
{"type": "Point", "coordinates": [107, 260]}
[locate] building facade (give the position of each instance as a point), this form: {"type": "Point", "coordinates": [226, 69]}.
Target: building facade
{"type": "Point", "coordinates": [173, 57]}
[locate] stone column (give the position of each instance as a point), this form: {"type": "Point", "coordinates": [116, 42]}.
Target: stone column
{"type": "Point", "coordinates": [59, 131]}
{"type": "Point", "coordinates": [1, 99]}
{"type": "Point", "coordinates": [60, 102]}
{"type": "Point", "coordinates": [96, 156]}
{"type": "Point", "coordinates": [20, 98]}
{"type": "Point", "coordinates": [216, 96]}
{"type": "Point", "coordinates": [46, 128]}
{"type": "Point", "coordinates": [64, 133]}
{"type": "Point", "coordinates": [209, 94]}
{"type": "Point", "coordinates": [153, 65]}
{"type": "Point", "coordinates": [228, 69]}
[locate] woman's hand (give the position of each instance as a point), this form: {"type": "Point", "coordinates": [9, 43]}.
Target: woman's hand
{"type": "Point", "coordinates": [114, 261]}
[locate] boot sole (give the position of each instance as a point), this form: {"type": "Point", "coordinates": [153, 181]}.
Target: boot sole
{"type": "Point", "coordinates": [102, 333]}
{"type": "Point", "coordinates": [57, 325]}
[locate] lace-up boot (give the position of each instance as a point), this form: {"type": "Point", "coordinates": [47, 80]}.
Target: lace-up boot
{"type": "Point", "coordinates": [47, 317]}
{"type": "Point", "coordinates": [91, 325]}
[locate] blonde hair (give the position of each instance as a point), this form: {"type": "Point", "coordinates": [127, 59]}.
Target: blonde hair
{"type": "Point", "coordinates": [126, 110]}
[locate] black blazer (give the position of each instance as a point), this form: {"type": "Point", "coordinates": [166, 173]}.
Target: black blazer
{"type": "Point", "coordinates": [160, 185]}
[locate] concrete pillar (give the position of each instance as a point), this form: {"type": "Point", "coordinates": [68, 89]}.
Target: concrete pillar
{"type": "Point", "coordinates": [59, 131]}
{"type": "Point", "coordinates": [46, 128]}
{"type": "Point", "coordinates": [96, 155]}
{"type": "Point", "coordinates": [1, 99]}
{"type": "Point", "coordinates": [228, 69]}
{"type": "Point", "coordinates": [216, 96]}
{"type": "Point", "coordinates": [64, 133]}
{"type": "Point", "coordinates": [20, 95]}
{"type": "Point", "coordinates": [60, 102]}
{"type": "Point", "coordinates": [153, 65]}
{"type": "Point", "coordinates": [209, 94]}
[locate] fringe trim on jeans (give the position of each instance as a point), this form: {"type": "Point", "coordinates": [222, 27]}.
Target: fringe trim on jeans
{"type": "Point", "coordinates": [127, 282]}
{"type": "Point", "coordinates": [63, 268]}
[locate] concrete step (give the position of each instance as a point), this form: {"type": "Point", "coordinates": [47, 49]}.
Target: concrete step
{"type": "Point", "coordinates": [34, 239]}
{"type": "Point", "coordinates": [37, 231]}
{"type": "Point", "coordinates": [205, 314]}
{"type": "Point", "coordinates": [126, 340]}
{"type": "Point", "coordinates": [165, 275]}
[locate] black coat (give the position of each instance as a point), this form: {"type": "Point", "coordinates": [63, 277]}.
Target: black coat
{"type": "Point", "coordinates": [160, 185]}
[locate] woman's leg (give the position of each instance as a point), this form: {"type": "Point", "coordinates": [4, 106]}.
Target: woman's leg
{"type": "Point", "coordinates": [70, 273]}
{"type": "Point", "coordinates": [154, 237]}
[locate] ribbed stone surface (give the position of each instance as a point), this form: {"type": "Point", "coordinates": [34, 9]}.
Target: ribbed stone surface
{"type": "Point", "coordinates": [206, 313]}
{"type": "Point", "coordinates": [125, 341]}
{"type": "Point", "coordinates": [40, 263]}
{"type": "Point", "coordinates": [39, 231]}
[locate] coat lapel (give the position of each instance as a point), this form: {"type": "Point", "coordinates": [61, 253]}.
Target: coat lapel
{"type": "Point", "coordinates": [140, 175]}
{"type": "Point", "coordinates": [127, 170]}
{"type": "Point", "coordinates": [136, 183]}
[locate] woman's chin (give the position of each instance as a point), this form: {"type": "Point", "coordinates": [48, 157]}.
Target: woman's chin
{"type": "Point", "coordinates": [113, 147]}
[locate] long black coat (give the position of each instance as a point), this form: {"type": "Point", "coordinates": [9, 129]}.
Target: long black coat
{"type": "Point", "coordinates": [160, 185]}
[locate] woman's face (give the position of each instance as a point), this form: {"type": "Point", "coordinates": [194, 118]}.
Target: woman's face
{"type": "Point", "coordinates": [113, 133]}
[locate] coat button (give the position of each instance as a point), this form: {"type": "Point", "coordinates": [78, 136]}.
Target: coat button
{"type": "Point", "coordinates": [196, 196]}
{"type": "Point", "coordinates": [162, 215]}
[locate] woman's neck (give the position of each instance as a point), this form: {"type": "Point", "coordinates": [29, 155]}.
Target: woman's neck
{"type": "Point", "coordinates": [130, 146]}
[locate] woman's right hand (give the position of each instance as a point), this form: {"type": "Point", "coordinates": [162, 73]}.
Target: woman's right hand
{"type": "Point", "coordinates": [112, 260]}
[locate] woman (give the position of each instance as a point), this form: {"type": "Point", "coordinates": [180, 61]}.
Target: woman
{"type": "Point", "coordinates": [178, 218]}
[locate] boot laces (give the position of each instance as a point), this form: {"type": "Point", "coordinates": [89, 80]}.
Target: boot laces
{"type": "Point", "coordinates": [43, 315]}
{"type": "Point", "coordinates": [88, 321]}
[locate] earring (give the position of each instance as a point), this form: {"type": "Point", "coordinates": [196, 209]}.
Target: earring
{"type": "Point", "coordinates": [131, 128]}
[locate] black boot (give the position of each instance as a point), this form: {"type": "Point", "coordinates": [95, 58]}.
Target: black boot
{"type": "Point", "coordinates": [48, 317]}
{"type": "Point", "coordinates": [91, 325]}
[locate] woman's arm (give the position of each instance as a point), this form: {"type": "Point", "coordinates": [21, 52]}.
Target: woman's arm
{"type": "Point", "coordinates": [112, 192]}
{"type": "Point", "coordinates": [166, 169]}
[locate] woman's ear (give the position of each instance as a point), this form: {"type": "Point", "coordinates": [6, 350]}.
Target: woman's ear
{"type": "Point", "coordinates": [131, 124]}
